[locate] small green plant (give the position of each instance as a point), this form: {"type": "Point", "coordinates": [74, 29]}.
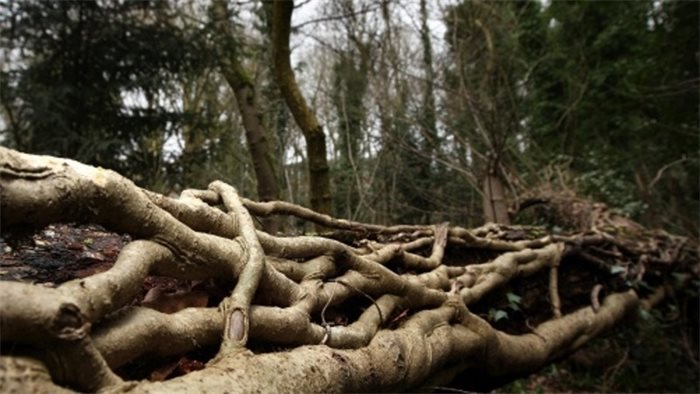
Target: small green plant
{"type": "Point", "coordinates": [495, 315]}
{"type": "Point", "coordinates": [514, 301]}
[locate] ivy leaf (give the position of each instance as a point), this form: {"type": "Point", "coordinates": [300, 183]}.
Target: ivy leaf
{"type": "Point", "coordinates": [514, 298]}
{"type": "Point", "coordinates": [500, 314]}
{"type": "Point", "coordinates": [680, 277]}
{"type": "Point", "coordinates": [497, 314]}
{"type": "Point", "coordinates": [616, 269]}
{"type": "Point", "coordinates": [644, 285]}
{"type": "Point", "coordinates": [644, 314]}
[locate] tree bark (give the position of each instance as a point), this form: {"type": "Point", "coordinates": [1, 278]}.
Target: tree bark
{"type": "Point", "coordinates": [494, 196]}
{"type": "Point", "coordinates": [244, 89]}
{"type": "Point", "coordinates": [398, 310]}
{"type": "Point", "coordinates": [319, 178]}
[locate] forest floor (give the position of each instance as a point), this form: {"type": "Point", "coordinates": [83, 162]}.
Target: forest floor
{"type": "Point", "coordinates": [654, 355]}
{"type": "Point", "coordinates": [650, 356]}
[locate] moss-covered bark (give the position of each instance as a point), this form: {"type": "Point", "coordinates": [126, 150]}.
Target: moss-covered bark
{"type": "Point", "coordinates": [257, 136]}
{"type": "Point", "coordinates": [319, 176]}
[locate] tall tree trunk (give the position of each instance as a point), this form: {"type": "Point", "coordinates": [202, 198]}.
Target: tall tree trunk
{"type": "Point", "coordinates": [428, 126]}
{"type": "Point", "coordinates": [258, 143]}
{"type": "Point", "coordinates": [319, 177]}
{"type": "Point", "coordinates": [495, 206]}
{"type": "Point", "coordinates": [427, 121]}
{"type": "Point", "coordinates": [256, 135]}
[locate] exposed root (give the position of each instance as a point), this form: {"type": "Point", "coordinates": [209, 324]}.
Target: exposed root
{"type": "Point", "coordinates": [393, 311]}
{"type": "Point", "coordinates": [595, 297]}
{"type": "Point", "coordinates": [554, 291]}
{"type": "Point", "coordinates": [236, 307]}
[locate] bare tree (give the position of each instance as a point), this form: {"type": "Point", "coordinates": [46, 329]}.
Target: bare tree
{"type": "Point", "coordinates": [259, 145]}
{"type": "Point", "coordinates": [319, 177]}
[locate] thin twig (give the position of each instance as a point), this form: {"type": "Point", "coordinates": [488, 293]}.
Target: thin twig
{"type": "Point", "coordinates": [554, 291]}
{"type": "Point", "coordinates": [369, 297]}
{"type": "Point", "coordinates": [595, 301]}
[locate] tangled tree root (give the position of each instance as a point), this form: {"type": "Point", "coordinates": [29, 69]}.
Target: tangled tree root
{"type": "Point", "coordinates": [413, 301]}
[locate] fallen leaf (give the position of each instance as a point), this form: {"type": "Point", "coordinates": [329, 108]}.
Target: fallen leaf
{"type": "Point", "coordinates": [75, 246]}
{"type": "Point", "coordinates": [187, 365]}
{"type": "Point", "coordinates": [97, 256]}
{"type": "Point", "coordinates": [161, 373]}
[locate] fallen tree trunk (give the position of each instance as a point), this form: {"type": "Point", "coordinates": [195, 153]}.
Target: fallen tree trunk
{"type": "Point", "coordinates": [390, 308]}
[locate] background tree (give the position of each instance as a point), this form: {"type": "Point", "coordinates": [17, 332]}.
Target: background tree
{"type": "Point", "coordinates": [487, 67]}
{"type": "Point", "coordinates": [503, 111]}
{"type": "Point", "coordinates": [72, 65]}
{"type": "Point", "coordinates": [605, 80]}
{"type": "Point", "coordinates": [351, 73]}
{"type": "Point", "coordinates": [243, 86]}
{"type": "Point", "coordinates": [319, 177]}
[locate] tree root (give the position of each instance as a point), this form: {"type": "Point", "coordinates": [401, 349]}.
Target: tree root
{"type": "Point", "coordinates": [379, 314]}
